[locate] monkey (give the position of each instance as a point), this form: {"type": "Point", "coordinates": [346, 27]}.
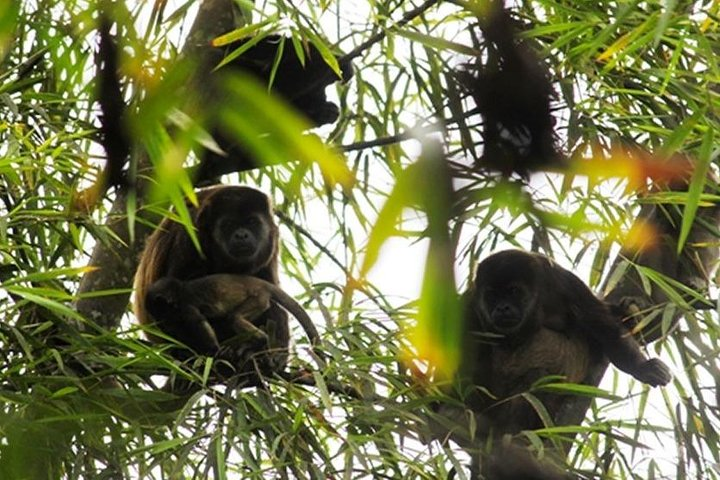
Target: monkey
{"type": "Point", "coordinates": [237, 235]}
{"type": "Point", "coordinates": [512, 91]}
{"type": "Point", "coordinates": [527, 318]}
{"type": "Point", "coordinates": [693, 267]}
{"type": "Point", "coordinates": [300, 83]}
{"type": "Point", "coordinates": [274, 62]}
{"type": "Point", "coordinates": [222, 305]}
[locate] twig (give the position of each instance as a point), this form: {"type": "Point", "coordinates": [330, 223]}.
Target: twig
{"type": "Point", "coordinates": [407, 18]}
{"type": "Point", "coordinates": [408, 134]}
{"type": "Point", "coordinates": [379, 142]}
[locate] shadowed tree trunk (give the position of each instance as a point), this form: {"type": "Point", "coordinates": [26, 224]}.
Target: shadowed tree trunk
{"type": "Point", "coordinates": [116, 260]}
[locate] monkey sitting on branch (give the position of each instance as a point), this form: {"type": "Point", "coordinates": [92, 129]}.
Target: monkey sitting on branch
{"type": "Point", "coordinates": [527, 318]}
{"type": "Point", "coordinates": [237, 236]}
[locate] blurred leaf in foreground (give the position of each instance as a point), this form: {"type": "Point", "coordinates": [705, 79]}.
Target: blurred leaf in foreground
{"type": "Point", "coordinates": [427, 185]}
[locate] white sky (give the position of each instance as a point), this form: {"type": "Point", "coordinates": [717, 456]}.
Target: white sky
{"type": "Point", "coordinates": [398, 273]}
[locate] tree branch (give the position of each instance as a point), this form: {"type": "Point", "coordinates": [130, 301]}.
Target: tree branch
{"type": "Point", "coordinates": [409, 16]}
{"type": "Point", "coordinates": [116, 259]}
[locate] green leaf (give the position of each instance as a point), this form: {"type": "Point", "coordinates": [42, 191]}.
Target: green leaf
{"type": "Point", "coordinates": [251, 114]}
{"type": "Point", "coordinates": [696, 187]}
{"type": "Point", "coordinates": [243, 32]}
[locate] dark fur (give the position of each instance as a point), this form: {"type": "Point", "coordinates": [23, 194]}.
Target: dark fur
{"type": "Point", "coordinates": [301, 85]}
{"type": "Point", "coordinates": [512, 90]}
{"type": "Point", "coordinates": [113, 131]}
{"type": "Point", "coordinates": [693, 267]}
{"type": "Point", "coordinates": [226, 305]}
{"type": "Point", "coordinates": [527, 318]}
{"type": "Point", "coordinates": [237, 236]}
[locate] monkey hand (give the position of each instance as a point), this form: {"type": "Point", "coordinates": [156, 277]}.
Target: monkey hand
{"type": "Point", "coordinates": [247, 332]}
{"type": "Point", "coordinates": [630, 306]}
{"type": "Point", "coordinates": [653, 372]}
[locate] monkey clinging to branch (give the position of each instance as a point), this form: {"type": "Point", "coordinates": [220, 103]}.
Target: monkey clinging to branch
{"type": "Point", "coordinates": [527, 318]}
{"type": "Point", "coordinates": [512, 91]}
{"type": "Point", "coordinates": [642, 302]}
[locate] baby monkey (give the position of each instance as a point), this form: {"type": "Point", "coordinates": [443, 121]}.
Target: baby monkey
{"type": "Point", "coordinates": [221, 306]}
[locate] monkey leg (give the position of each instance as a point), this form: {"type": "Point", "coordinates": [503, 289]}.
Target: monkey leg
{"type": "Point", "coordinates": [194, 329]}
{"type": "Point", "coordinates": [244, 340]}
{"type": "Point", "coordinates": [241, 355]}
{"type": "Point", "coordinates": [245, 330]}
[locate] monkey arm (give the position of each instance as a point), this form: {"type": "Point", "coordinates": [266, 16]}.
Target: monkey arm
{"type": "Point", "coordinates": [622, 349]}
{"type": "Point", "coordinates": [595, 318]}
{"type": "Point", "coordinates": [624, 352]}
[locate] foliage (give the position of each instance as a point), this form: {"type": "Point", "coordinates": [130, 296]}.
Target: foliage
{"type": "Point", "coordinates": [82, 400]}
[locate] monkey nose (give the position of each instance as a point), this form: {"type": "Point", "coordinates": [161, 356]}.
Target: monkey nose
{"type": "Point", "coordinates": [240, 236]}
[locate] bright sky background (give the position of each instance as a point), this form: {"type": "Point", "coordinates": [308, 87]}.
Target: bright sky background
{"type": "Point", "coordinates": [398, 274]}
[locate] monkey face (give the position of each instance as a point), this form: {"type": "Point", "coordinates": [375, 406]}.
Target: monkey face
{"type": "Point", "coordinates": [505, 308]}
{"type": "Point", "coordinates": [240, 238]}
{"type": "Point", "coordinates": [505, 299]}
{"type": "Point", "coordinates": [237, 233]}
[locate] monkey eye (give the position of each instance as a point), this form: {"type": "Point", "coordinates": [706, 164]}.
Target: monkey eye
{"type": "Point", "coordinates": [515, 291]}
{"type": "Point", "coordinates": [251, 222]}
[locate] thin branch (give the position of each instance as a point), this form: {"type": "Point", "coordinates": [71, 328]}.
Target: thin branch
{"type": "Point", "coordinates": [407, 18]}
{"type": "Point", "coordinates": [409, 134]}
{"type": "Point", "coordinates": [381, 142]}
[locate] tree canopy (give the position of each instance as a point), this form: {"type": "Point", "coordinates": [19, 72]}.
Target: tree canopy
{"type": "Point", "coordinates": [383, 213]}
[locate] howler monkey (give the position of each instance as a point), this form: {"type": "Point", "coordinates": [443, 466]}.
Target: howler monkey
{"type": "Point", "coordinates": [643, 301]}
{"type": "Point", "coordinates": [237, 235]}
{"type": "Point", "coordinates": [274, 62]}
{"type": "Point", "coordinates": [512, 90]}
{"type": "Point", "coordinates": [222, 306]}
{"type": "Point", "coordinates": [527, 318]}
{"type": "Point", "coordinates": [302, 83]}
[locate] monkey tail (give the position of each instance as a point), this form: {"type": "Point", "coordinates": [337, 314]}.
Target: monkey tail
{"type": "Point", "coordinates": [291, 305]}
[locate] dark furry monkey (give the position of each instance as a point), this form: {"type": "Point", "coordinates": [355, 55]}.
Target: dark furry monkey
{"type": "Point", "coordinates": [642, 301]}
{"type": "Point", "coordinates": [527, 318]}
{"type": "Point", "coordinates": [224, 306]}
{"type": "Point", "coordinates": [273, 61]}
{"type": "Point", "coordinates": [237, 235]}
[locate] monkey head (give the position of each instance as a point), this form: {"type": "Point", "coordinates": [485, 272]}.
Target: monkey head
{"type": "Point", "coordinates": [164, 295]}
{"type": "Point", "coordinates": [237, 232]}
{"type": "Point", "coordinates": [515, 293]}
{"type": "Point", "coordinates": [504, 298]}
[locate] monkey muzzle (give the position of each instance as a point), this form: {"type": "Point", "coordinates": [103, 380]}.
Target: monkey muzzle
{"type": "Point", "coordinates": [505, 319]}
